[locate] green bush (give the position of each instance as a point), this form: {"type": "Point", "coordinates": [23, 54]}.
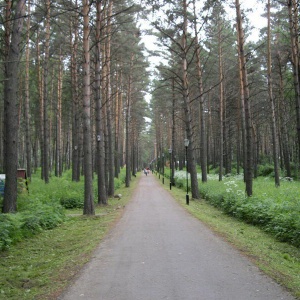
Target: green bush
{"type": "Point", "coordinates": [275, 210]}
{"type": "Point", "coordinates": [41, 217]}
{"type": "Point", "coordinates": [44, 207]}
{"type": "Point", "coordinates": [179, 183]}
{"type": "Point", "coordinates": [265, 170]}
{"type": "Point", "coordinates": [117, 183]}
{"type": "Point", "coordinates": [10, 231]}
{"type": "Point", "coordinates": [286, 227]}
{"type": "Point", "coordinates": [38, 217]}
{"type": "Point", "coordinates": [31, 225]}
{"type": "Point", "coordinates": [71, 201]}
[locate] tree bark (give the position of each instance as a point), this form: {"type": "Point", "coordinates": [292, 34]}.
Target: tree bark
{"type": "Point", "coordinates": [87, 142]}
{"type": "Point", "coordinates": [45, 95]}
{"type": "Point", "coordinates": [127, 127]}
{"type": "Point", "coordinates": [283, 122]}
{"type": "Point", "coordinates": [248, 163]}
{"type": "Point", "coordinates": [272, 101]}
{"type": "Point", "coordinates": [27, 99]}
{"type": "Point", "coordinates": [11, 108]}
{"type": "Point", "coordinates": [58, 158]}
{"type": "Point", "coordinates": [109, 119]}
{"type": "Point", "coordinates": [203, 145]}
{"type": "Point", "coordinates": [221, 104]}
{"type": "Point", "coordinates": [102, 195]}
{"type": "Point", "coordinates": [187, 109]}
{"type": "Point", "coordinates": [76, 145]}
{"type": "Point", "coordinates": [294, 35]}
{"type": "Point", "coordinates": [41, 103]}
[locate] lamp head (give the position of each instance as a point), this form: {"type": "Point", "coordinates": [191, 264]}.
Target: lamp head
{"type": "Point", "coordinates": [186, 142]}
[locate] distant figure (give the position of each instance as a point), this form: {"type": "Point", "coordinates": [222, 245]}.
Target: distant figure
{"type": "Point", "coordinates": [145, 172]}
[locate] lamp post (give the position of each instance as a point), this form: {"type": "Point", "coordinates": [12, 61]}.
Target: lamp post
{"type": "Point", "coordinates": [186, 144]}
{"type": "Point", "coordinates": [163, 168]}
{"type": "Point", "coordinates": [170, 152]}
{"type": "Point", "coordinates": [158, 165]}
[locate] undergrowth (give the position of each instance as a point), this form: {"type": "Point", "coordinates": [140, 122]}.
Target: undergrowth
{"type": "Point", "coordinates": [43, 208]}
{"type": "Point", "coordinates": [274, 209]}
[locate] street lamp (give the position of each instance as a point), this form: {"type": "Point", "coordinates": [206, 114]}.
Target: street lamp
{"type": "Point", "coordinates": [170, 152]}
{"type": "Point", "coordinates": [186, 144]}
{"type": "Point", "coordinates": [158, 167]}
{"type": "Point", "coordinates": [163, 168]}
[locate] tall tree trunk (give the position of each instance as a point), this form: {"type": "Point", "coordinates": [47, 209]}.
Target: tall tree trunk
{"type": "Point", "coordinates": [87, 142]}
{"type": "Point", "coordinates": [134, 149]}
{"type": "Point", "coordinates": [109, 119]}
{"type": "Point", "coordinates": [104, 90]}
{"type": "Point", "coordinates": [187, 108]}
{"type": "Point", "coordinates": [173, 153]}
{"type": "Point", "coordinates": [76, 145]}
{"type": "Point", "coordinates": [203, 146]}
{"type": "Point", "coordinates": [58, 159]}
{"type": "Point", "coordinates": [272, 101]}
{"type": "Point", "coordinates": [11, 108]}
{"type": "Point", "coordinates": [221, 104]}
{"type": "Point", "coordinates": [41, 102]}
{"type": "Point", "coordinates": [294, 35]}
{"type": "Point", "coordinates": [100, 160]}
{"type": "Point", "coordinates": [127, 127]}
{"type": "Point", "coordinates": [248, 163]}
{"type": "Point", "coordinates": [118, 112]}
{"type": "Point", "coordinates": [45, 93]}
{"type": "Point", "coordinates": [7, 36]}
{"type": "Point", "coordinates": [27, 100]}
{"type": "Point", "coordinates": [283, 123]}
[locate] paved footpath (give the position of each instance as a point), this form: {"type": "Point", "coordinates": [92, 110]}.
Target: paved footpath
{"type": "Point", "coordinates": [159, 251]}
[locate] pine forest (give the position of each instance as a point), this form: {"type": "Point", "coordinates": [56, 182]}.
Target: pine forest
{"type": "Point", "coordinates": [84, 94]}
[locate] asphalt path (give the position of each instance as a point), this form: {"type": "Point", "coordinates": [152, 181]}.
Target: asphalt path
{"type": "Point", "coordinates": [157, 250]}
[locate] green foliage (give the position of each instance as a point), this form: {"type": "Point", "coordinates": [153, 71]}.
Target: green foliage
{"type": "Point", "coordinates": [276, 210]}
{"type": "Point", "coordinates": [71, 200]}
{"type": "Point", "coordinates": [119, 182]}
{"type": "Point", "coordinates": [44, 207]}
{"type": "Point", "coordinates": [15, 227]}
{"type": "Point", "coordinates": [265, 170]}
{"type": "Point", "coordinates": [10, 231]}
{"type": "Point", "coordinates": [41, 217]}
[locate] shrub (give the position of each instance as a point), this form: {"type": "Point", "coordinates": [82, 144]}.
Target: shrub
{"type": "Point", "coordinates": [10, 231]}
{"type": "Point", "coordinates": [15, 227]}
{"type": "Point", "coordinates": [117, 183]}
{"type": "Point", "coordinates": [41, 217]}
{"type": "Point", "coordinates": [286, 226]}
{"type": "Point", "coordinates": [265, 170]}
{"type": "Point", "coordinates": [71, 200]}
{"type": "Point", "coordinates": [275, 210]}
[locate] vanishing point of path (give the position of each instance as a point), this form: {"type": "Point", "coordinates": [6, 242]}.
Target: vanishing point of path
{"type": "Point", "coordinates": [159, 251]}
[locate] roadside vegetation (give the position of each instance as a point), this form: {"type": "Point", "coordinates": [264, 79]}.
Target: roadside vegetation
{"type": "Point", "coordinates": [274, 209]}
{"type": "Point", "coordinates": [265, 227]}
{"type": "Point", "coordinates": [46, 243]}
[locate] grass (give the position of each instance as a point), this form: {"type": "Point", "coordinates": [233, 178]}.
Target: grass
{"type": "Point", "coordinates": [42, 266]}
{"type": "Point", "coordinates": [279, 260]}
